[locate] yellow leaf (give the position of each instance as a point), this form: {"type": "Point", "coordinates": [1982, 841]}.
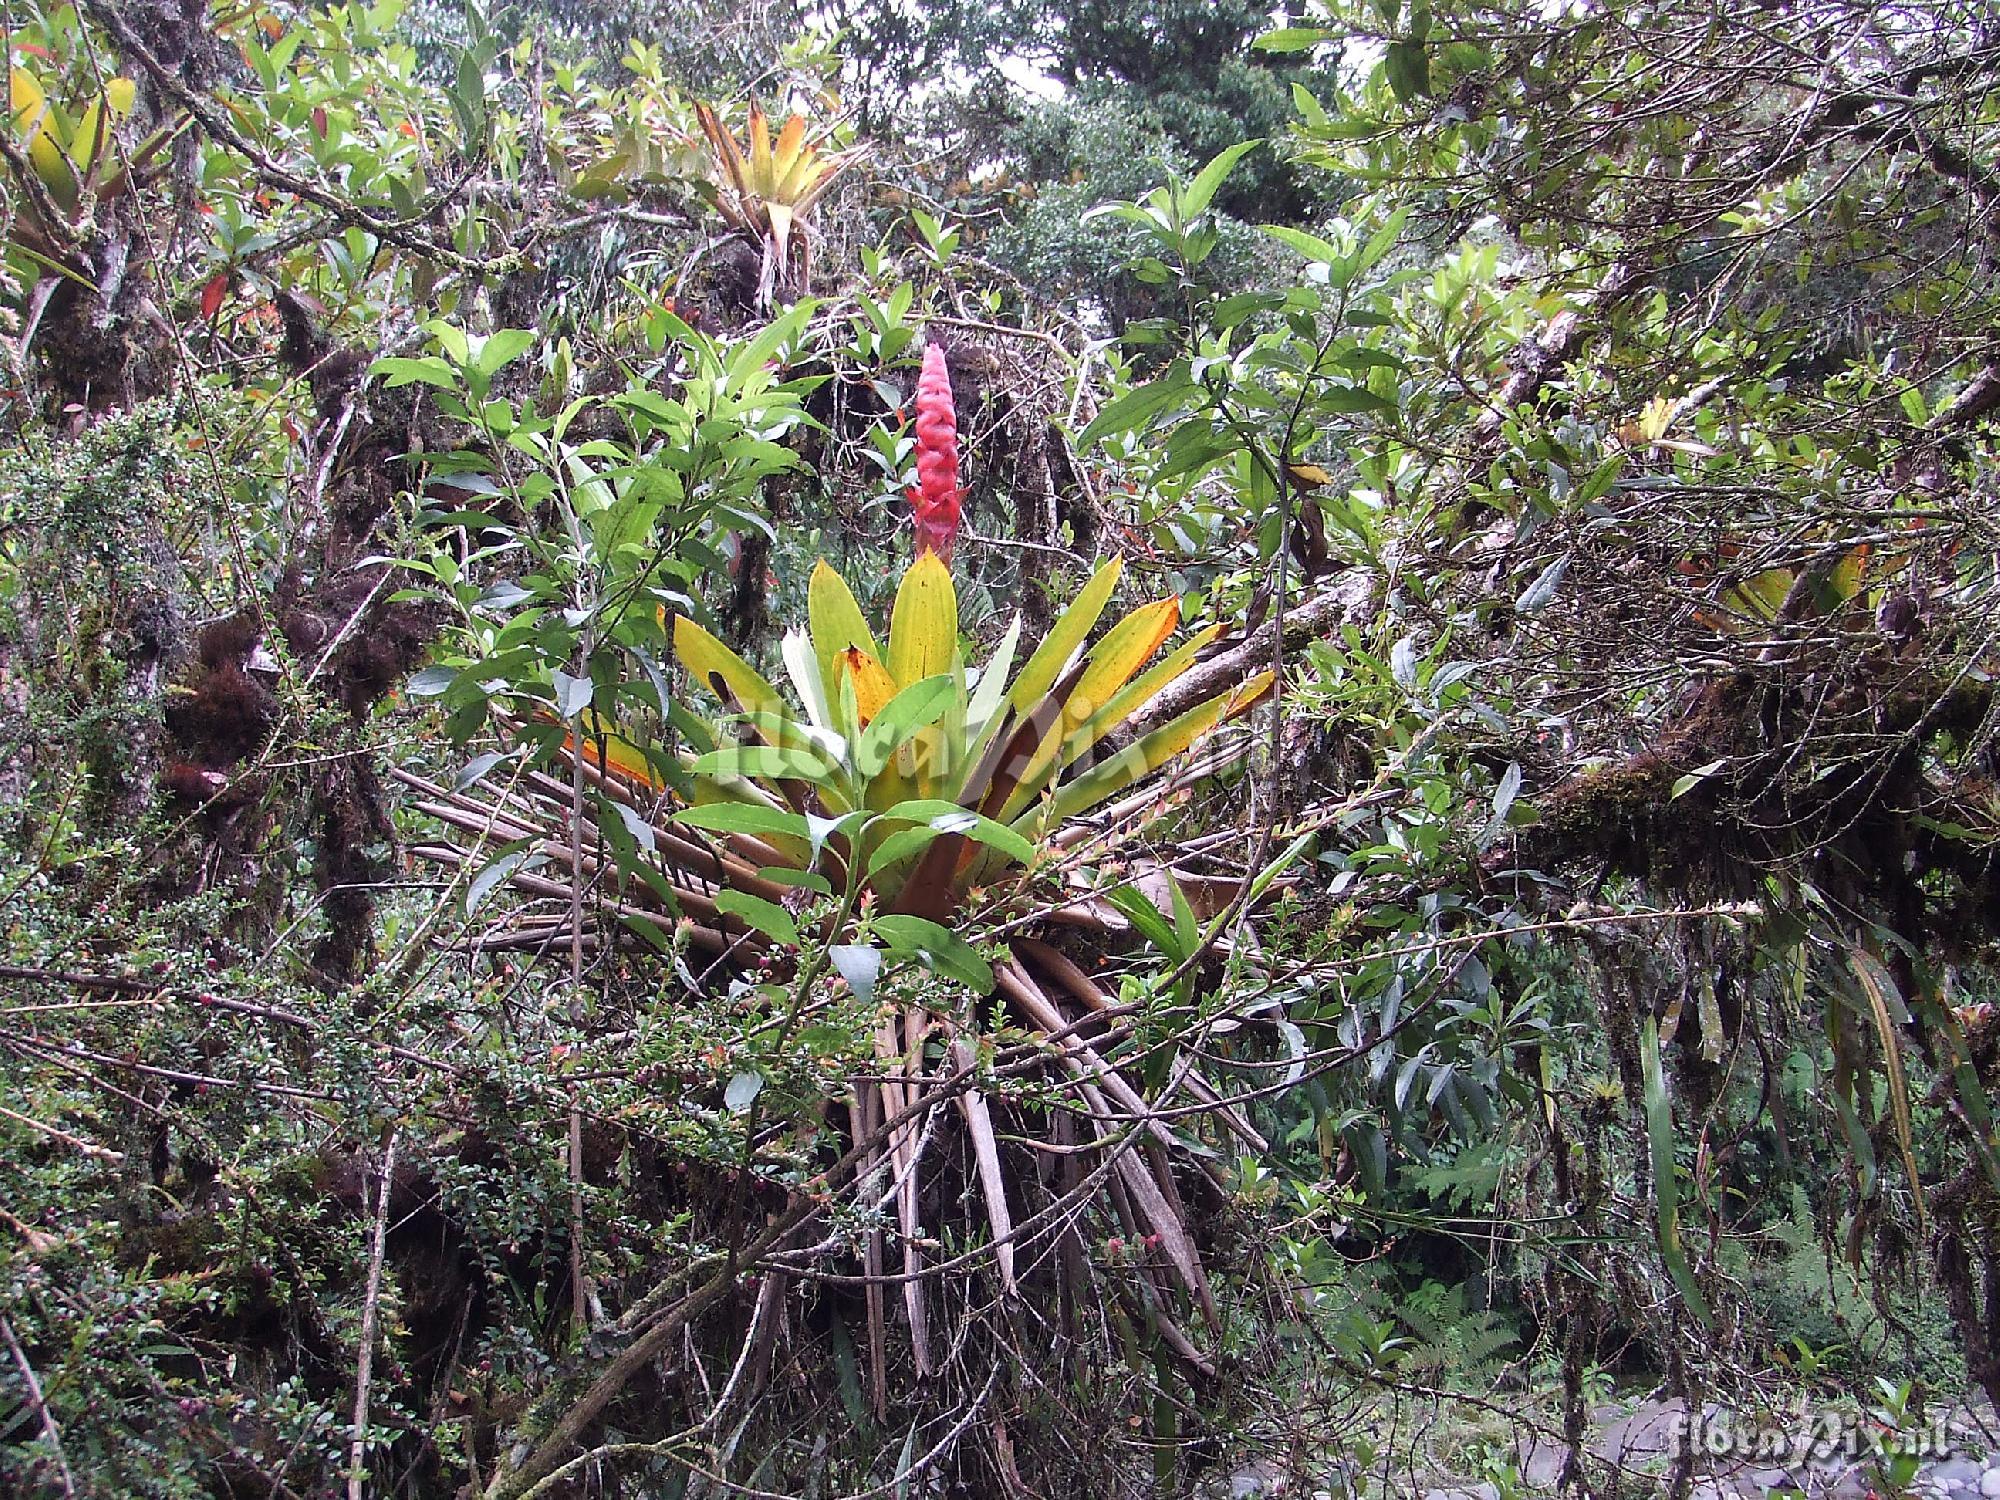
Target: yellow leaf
{"type": "Point", "coordinates": [1143, 689]}
{"type": "Point", "coordinates": [35, 117]}
{"type": "Point", "coordinates": [796, 177]}
{"type": "Point", "coordinates": [1848, 573]}
{"type": "Point", "coordinates": [1126, 647]}
{"type": "Point", "coordinates": [835, 622]}
{"type": "Point", "coordinates": [923, 628]}
{"type": "Point", "coordinates": [725, 674]}
{"type": "Point", "coordinates": [27, 100]}
{"type": "Point", "coordinates": [1656, 417]}
{"type": "Point", "coordinates": [1069, 632]}
{"type": "Point", "coordinates": [1762, 596]}
{"type": "Point", "coordinates": [93, 131]}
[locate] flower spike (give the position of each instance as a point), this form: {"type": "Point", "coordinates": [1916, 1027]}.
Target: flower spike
{"type": "Point", "coordinates": [935, 500]}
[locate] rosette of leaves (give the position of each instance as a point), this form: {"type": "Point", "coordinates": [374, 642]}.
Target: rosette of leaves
{"type": "Point", "coordinates": [845, 827]}
{"type": "Point", "coordinates": [925, 778]}
{"type": "Point", "coordinates": [767, 190]}
{"type": "Point", "coordinates": [66, 144]}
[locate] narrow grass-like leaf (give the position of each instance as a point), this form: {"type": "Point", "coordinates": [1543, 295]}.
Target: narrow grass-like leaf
{"type": "Point", "coordinates": [1666, 1189]}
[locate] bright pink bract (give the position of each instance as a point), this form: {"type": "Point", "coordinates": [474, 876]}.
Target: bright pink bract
{"type": "Point", "coordinates": [936, 497]}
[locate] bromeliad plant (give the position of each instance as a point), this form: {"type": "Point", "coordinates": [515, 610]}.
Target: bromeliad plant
{"type": "Point", "coordinates": [844, 830]}
{"type": "Point", "coordinates": [900, 773]}
{"type": "Point", "coordinates": [768, 190]}
{"type": "Point", "coordinates": [67, 150]}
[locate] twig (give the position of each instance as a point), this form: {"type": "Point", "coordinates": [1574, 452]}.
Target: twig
{"type": "Point", "coordinates": [88, 1148]}
{"type": "Point", "coordinates": [39, 1406]}
{"type": "Point", "coordinates": [364, 1368]}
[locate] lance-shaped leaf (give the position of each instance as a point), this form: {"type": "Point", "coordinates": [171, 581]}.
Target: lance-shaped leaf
{"type": "Point", "coordinates": [923, 628]}
{"type": "Point", "coordinates": [1141, 690]}
{"type": "Point", "coordinates": [1126, 647]}
{"type": "Point", "coordinates": [1666, 1190]}
{"type": "Point", "coordinates": [1146, 755]}
{"type": "Point", "coordinates": [1069, 632]}
{"type": "Point", "coordinates": [835, 622]}
{"type": "Point", "coordinates": [725, 674]}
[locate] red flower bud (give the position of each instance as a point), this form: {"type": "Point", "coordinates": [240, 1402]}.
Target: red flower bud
{"type": "Point", "coordinates": [936, 496]}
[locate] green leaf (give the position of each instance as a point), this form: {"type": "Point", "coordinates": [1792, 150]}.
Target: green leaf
{"type": "Point", "coordinates": [502, 349]}
{"type": "Point", "coordinates": [1666, 1190]}
{"type": "Point", "coordinates": [648, 929]}
{"type": "Point", "coordinates": [941, 950]}
{"type": "Point", "coordinates": [949, 817]}
{"type": "Point", "coordinates": [900, 845]}
{"type": "Point", "coordinates": [634, 823]}
{"type": "Point", "coordinates": [767, 917]}
{"type": "Point", "coordinates": [1685, 784]}
{"type": "Point", "coordinates": [515, 858]}
{"type": "Point", "coordinates": [1382, 241]}
{"type": "Point", "coordinates": [762, 760]}
{"type": "Point", "coordinates": [432, 681]}
{"type": "Point", "coordinates": [1138, 909]}
{"type": "Point", "coordinates": [1311, 246]}
{"type": "Point", "coordinates": [1543, 589]}
{"type": "Point", "coordinates": [1408, 66]}
{"type": "Point", "coordinates": [1349, 400]}
{"type": "Point", "coordinates": [1135, 410]}
{"type": "Point", "coordinates": [743, 817]}
{"type": "Point", "coordinates": [475, 768]}
{"type": "Point", "coordinates": [400, 372]}
{"type": "Point", "coordinates": [1201, 192]}
{"type": "Point", "coordinates": [917, 706]}
{"type": "Point", "coordinates": [1292, 39]}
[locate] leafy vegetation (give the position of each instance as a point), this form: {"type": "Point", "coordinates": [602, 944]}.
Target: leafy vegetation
{"type": "Point", "coordinates": [1155, 733]}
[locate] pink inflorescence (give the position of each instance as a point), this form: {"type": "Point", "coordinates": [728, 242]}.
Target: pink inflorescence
{"type": "Point", "coordinates": [936, 496]}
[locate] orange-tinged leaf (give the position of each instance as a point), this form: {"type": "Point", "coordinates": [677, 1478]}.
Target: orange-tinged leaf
{"type": "Point", "coordinates": [613, 754]}
{"type": "Point", "coordinates": [1249, 695]}
{"type": "Point", "coordinates": [791, 139]}
{"type": "Point", "coordinates": [1142, 689]}
{"type": "Point", "coordinates": [762, 179]}
{"type": "Point", "coordinates": [873, 686]}
{"type": "Point", "coordinates": [212, 295]}
{"type": "Point", "coordinates": [723, 145]}
{"type": "Point", "coordinates": [1126, 647]}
